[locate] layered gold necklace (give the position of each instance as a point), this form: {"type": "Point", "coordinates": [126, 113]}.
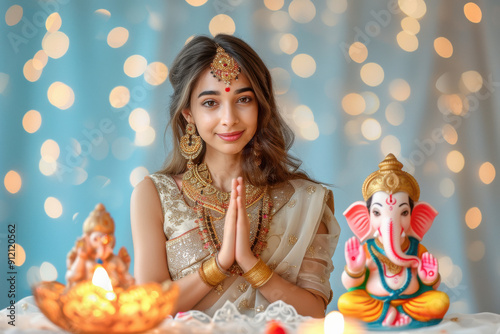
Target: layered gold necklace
{"type": "Point", "coordinates": [197, 186]}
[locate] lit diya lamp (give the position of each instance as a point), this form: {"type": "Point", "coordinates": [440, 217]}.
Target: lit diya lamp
{"type": "Point", "coordinates": [101, 296]}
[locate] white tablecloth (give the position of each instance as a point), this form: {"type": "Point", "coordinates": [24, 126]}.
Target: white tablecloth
{"type": "Point", "coordinates": [29, 319]}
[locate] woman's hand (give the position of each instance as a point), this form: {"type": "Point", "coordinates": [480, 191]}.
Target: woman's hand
{"type": "Point", "coordinates": [243, 250]}
{"type": "Point", "coordinates": [226, 253]}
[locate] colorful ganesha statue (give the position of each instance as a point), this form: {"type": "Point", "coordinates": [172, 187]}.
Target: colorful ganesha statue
{"type": "Point", "coordinates": [391, 278]}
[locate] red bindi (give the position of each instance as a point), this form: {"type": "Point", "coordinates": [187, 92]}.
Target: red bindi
{"type": "Point", "coordinates": [227, 89]}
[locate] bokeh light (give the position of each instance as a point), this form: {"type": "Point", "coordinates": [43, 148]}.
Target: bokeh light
{"type": "Point", "coordinates": [53, 207]}
{"type": "Point", "coordinates": [40, 60]}
{"type": "Point", "coordinates": [445, 83]}
{"type": "Point", "coordinates": [32, 121]}
{"type": "Point", "coordinates": [117, 37]}
{"type": "Point", "coordinates": [399, 89]}
{"type": "Point", "coordinates": [390, 144]}
{"type": "Point", "coordinates": [337, 6]}
{"type": "Point", "coordinates": [50, 150]}
{"type": "Point", "coordinates": [371, 129]}
{"type": "Point", "coordinates": [372, 74]}
{"type": "Point", "coordinates": [455, 277]}
{"type": "Point", "coordinates": [407, 41]}
{"type": "Point", "coordinates": [13, 15]}
{"type": "Point", "coordinates": [476, 250]}
{"type": "Point", "coordinates": [119, 96]}
{"type": "Point", "coordinates": [137, 175]}
{"type": "Point", "coordinates": [447, 187]}
{"type": "Point", "coordinates": [61, 95]}
{"type": "Point", "coordinates": [55, 44]}
{"type": "Point", "coordinates": [281, 21]}
{"type": "Point", "coordinates": [12, 181]}
{"type": "Point", "coordinates": [30, 72]}
{"type": "Point", "coordinates": [281, 79]}
{"type": "Point", "coordinates": [413, 8]}
{"type": "Point", "coordinates": [473, 12]}
{"type": "Point", "coordinates": [139, 119]}
{"type": "Point", "coordinates": [395, 113]}
{"type": "Point", "coordinates": [329, 18]}
{"type": "Point", "coordinates": [472, 80]}
{"type": "Point", "coordinates": [156, 73]}
{"type": "Point", "coordinates": [445, 266]}
{"type": "Point", "coordinates": [455, 161]}
{"type": "Point", "coordinates": [303, 116]}
{"type": "Point", "coordinates": [20, 255]}
{"type": "Point", "coordinates": [135, 66]}
{"type": "Point", "coordinates": [222, 24]}
{"type": "Point", "coordinates": [196, 3]}
{"type": "Point", "coordinates": [310, 132]}
{"type": "Point", "coordinates": [53, 22]}
{"type": "Point", "coordinates": [274, 4]}
{"type": "Point", "coordinates": [4, 81]}
{"type": "Point", "coordinates": [353, 104]}
{"type": "Point", "coordinates": [473, 217]}
{"type": "Point", "coordinates": [145, 137]}
{"type": "Point", "coordinates": [103, 12]}
{"type": "Point", "coordinates": [358, 52]}
{"type": "Point", "coordinates": [487, 172]}
{"type": "Point", "coordinates": [410, 25]}
{"type": "Point", "coordinates": [47, 168]}
{"type": "Point", "coordinates": [372, 102]}
{"type": "Point", "coordinates": [122, 148]}
{"type": "Point", "coordinates": [303, 65]}
{"type": "Point", "coordinates": [302, 11]}
{"type": "Point", "coordinates": [288, 43]}
{"type": "Point", "coordinates": [48, 272]}
{"type": "Point", "coordinates": [443, 47]}
{"type": "Point", "coordinates": [450, 134]}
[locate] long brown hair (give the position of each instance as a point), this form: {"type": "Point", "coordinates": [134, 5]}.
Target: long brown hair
{"type": "Point", "coordinates": [273, 137]}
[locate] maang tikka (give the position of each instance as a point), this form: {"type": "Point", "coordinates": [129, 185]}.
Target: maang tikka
{"type": "Point", "coordinates": [224, 67]}
{"type": "Point", "coordinates": [190, 145]}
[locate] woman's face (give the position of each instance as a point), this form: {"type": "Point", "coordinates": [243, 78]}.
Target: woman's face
{"type": "Point", "coordinates": [226, 121]}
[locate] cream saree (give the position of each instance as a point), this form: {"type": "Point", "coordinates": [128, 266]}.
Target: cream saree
{"type": "Point", "coordinates": [294, 250]}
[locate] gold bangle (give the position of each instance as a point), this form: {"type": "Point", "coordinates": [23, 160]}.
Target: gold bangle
{"type": "Point", "coordinates": [259, 275]}
{"type": "Point", "coordinates": [225, 272]}
{"type": "Point", "coordinates": [210, 272]}
{"type": "Point", "coordinates": [352, 275]}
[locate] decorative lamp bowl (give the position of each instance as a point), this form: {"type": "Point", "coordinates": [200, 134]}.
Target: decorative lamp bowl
{"type": "Point", "coordinates": [87, 308]}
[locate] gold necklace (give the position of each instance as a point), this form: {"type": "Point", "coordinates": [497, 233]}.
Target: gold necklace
{"type": "Point", "coordinates": [392, 267]}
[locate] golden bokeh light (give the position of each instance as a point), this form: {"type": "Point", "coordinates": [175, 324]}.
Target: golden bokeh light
{"type": "Point", "coordinates": [274, 4]}
{"type": "Point", "coordinates": [443, 47]}
{"type": "Point", "coordinates": [55, 44]}
{"type": "Point", "coordinates": [371, 129]}
{"type": "Point", "coordinates": [303, 65]}
{"type": "Point", "coordinates": [13, 15]}
{"type": "Point", "coordinates": [145, 137]}
{"type": "Point", "coordinates": [48, 272]}
{"type": "Point", "coordinates": [12, 181]}
{"type": "Point", "coordinates": [487, 172]}
{"type": "Point", "coordinates": [135, 66]}
{"type": "Point", "coordinates": [472, 80]}
{"type": "Point", "coordinates": [60, 95]}
{"type": "Point", "coordinates": [450, 134]}
{"type": "Point", "coordinates": [281, 80]}
{"type": "Point", "coordinates": [50, 150]}
{"type": "Point", "coordinates": [137, 175]}
{"type": "Point", "coordinates": [337, 6]}
{"type": "Point", "coordinates": [196, 3]}
{"type": "Point", "coordinates": [53, 22]}
{"type": "Point", "coordinates": [47, 168]}
{"type": "Point", "coordinates": [395, 113]}
{"type": "Point", "coordinates": [139, 119]}
{"type": "Point", "coordinates": [40, 60]}
{"type": "Point", "coordinates": [358, 52]}
{"type": "Point", "coordinates": [390, 144]}
{"type": "Point", "coordinates": [53, 207]}
{"type": "Point", "coordinates": [353, 104]}
{"type": "Point", "coordinates": [413, 8]}
{"type": "Point", "coordinates": [310, 132]}
{"type": "Point", "coordinates": [302, 11]}
{"type": "Point", "coordinates": [289, 43]}
{"type": "Point", "coordinates": [372, 74]}
{"type": "Point", "coordinates": [406, 41]}
{"type": "Point", "coordinates": [473, 217]}
{"type": "Point", "coordinates": [445, 83]}
{"type": "Point", "coordinates": [410, 25]}
{"type": "Point", "coordinates": [222, 24]}
{"type": "Point", "coordinates": [4, 81]}
{"type": "Point", "coordinates": [399, 89]}
{"type": "Point", "coordinates": [372, 102]}
{"type": "Point", "coordinates": [103, 12]}
{"type": "Point", "coordinates": [454, 104]}
{"type": "Point", "coordinates": [447, 187]}
{"type": "Point", "coordinates": [476, 251]}
{"type": "Point", "coordinates": [156, 73]}
{"type": "Point", "coordinates": [30, 72]}
{"type": "Point", "coordinates": [32, 121]}
{"type": "Point", "coordinates": [117, 37]}
{"type": "Point", "coordinates": [119, 97]}
{"type": "Point", "coordinates": [303, 116]}
{"type": "Point", "coordinates": [473, 12]}
{"type": "Point", "coordinates": [455, 161]}
{"type": "Point", "coordinates": [20, 255]}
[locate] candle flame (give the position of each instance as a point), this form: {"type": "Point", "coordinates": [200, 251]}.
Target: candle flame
{"type": "Point", "coordinates": [101, 279]}
{"type": "Point", "coordinates": [334, 323]}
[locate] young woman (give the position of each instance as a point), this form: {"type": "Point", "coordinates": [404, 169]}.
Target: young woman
{"type": "Point", "coordinates": [231, 217]}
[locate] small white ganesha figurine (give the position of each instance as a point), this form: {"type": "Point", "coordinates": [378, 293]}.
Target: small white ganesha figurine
{"type": "Point", "coordinates": [391, 278]}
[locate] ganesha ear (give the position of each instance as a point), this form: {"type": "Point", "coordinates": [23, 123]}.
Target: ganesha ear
{"type": "Point", "coordinates": [422, 217]}
{"type": "Point", "coordinates": [358, 219]}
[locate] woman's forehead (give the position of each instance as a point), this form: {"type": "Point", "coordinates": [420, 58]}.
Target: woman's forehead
{"type": "Point", "coordinates": [207, 81]}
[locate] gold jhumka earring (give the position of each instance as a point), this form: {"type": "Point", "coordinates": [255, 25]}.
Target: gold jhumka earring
{"type": "Point", "coordinates": [191, 145]}
{"type": "Point", "coordinates": [224, 67]}
{"type": "Point", "coordinates": [257, 153]}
